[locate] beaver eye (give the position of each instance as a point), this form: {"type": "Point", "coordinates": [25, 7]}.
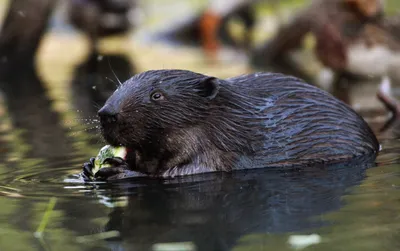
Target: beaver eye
{"type": "Point", "coordinates": [157, 96]}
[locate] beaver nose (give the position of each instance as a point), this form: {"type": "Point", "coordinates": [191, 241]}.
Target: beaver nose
{"type": "Point", "coordinates": [107, 114]}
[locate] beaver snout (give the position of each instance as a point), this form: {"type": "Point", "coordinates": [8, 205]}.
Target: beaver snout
{"type": "Point", "coordinates": [109, 124]}
{"type": "Point", "coordinates": [108, 114]}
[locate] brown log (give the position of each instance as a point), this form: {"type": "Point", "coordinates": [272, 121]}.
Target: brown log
{"type": "Point", "coordinates": [23, 28]}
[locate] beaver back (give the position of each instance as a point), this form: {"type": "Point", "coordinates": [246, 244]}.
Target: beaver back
{"type": "Point", "coordinates": [284, 121]}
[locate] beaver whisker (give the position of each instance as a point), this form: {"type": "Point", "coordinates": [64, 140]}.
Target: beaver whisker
{"type": "Point", "coordinates": [112, 81]}
{"type": "Point", "coordinates": [115, 75]}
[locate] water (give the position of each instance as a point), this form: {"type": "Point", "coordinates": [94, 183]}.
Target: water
{"type": "Point", "coordinates": [48, 129]}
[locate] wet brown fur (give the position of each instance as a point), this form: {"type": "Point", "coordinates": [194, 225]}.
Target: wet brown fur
{"type": "Point", "coordinates": [252, 121]}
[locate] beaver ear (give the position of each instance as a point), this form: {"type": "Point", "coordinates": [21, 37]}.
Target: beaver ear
{"type": "Point", "coordinates": [209, 87]}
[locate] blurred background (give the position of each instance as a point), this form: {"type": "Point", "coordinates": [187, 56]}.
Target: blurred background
{"type": "Point", "coordinates": [60, 61]}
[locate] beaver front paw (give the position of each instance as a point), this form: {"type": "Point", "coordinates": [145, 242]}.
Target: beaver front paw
{"type": "Point", "coordinates": [117, 166]}
{"type": "Point", "coordinates": [87, 173]}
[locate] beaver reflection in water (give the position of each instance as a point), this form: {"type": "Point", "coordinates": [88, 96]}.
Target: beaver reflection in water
{"type": "Point", "coordinates": [178, 122]}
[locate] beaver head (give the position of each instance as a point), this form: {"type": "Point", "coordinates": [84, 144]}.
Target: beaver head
{"type": "Point", "coordinates": [148, 106]}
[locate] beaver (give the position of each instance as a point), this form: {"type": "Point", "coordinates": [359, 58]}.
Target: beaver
{"type": "Point", "coordinates": [179, 122]}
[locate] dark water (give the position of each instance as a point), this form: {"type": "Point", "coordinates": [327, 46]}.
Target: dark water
{"type": "Point", "coordinates": [352, 207]}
